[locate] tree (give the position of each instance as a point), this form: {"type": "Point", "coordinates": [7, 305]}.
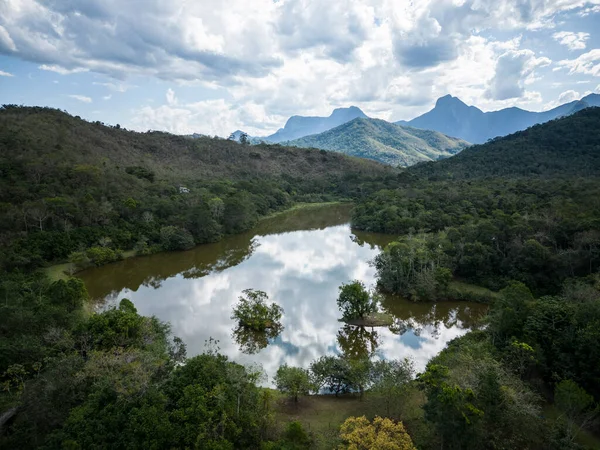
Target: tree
{"type": "Point", "coordinates": [174, 238]}
{"type": "Point", "coordinates": [355, 302]}
{"type": "Point", "coordinates": [358, 433]}
{"type": "Point", "coordinates": [253, 312]}
{"type": "Point", "coordinates": [293, 381]}
{"type": "Point", "coordinates": [244, 139]}
{"type": "Point", "coordinates": [390, 379]}
{"type": "Point", "coordinates": [577, 407]}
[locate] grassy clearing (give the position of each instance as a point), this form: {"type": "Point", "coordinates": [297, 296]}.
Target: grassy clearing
{"type": "Point", "coordinates": [299, 206]}
{"type": "Point", "coordinates": [62, 271]}
{"type": "Point", "coordinates": [459, 290]}
{"type": "Point", "coordinates": [322, 415]}
{"type": "Point", "coordinates": [378, 319]}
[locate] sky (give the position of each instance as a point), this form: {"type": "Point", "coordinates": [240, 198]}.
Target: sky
{"type": "Point", "coordinates": [214, 66]}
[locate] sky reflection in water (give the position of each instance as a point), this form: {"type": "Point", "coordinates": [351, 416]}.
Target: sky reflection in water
{"type": "Point", "coordinates": [301, 271]}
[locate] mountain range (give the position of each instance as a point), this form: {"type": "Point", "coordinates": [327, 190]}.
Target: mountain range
{"type": "Point", "coordinates": [384, 142]}
{"type": "Point", "coordinates": [300, 126]}
{"type": "Point", "coordinates": [453, 117]}
{"type": "Point", "coordinates": [569, 146]}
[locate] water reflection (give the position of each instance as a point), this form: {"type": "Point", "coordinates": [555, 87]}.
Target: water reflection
{"type": "Point", "coordinates": [299, 260]}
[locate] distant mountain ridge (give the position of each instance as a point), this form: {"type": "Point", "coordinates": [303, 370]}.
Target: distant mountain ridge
{"type": "Point", "coordinates": [568, 146]}
{"type": "Point", "coordinates": [384, 141]}
{"type": "Point", "coordinates": [453, 117]}
{"type": "Point", "coordinates": [300, 126]}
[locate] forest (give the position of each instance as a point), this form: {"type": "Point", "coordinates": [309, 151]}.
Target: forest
{"type": "Point", "coordinates": [519, 215]}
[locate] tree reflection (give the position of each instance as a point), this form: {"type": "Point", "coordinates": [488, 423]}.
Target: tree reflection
{"type": "Point", "coordinates": [252, 341]}
{"type": "Point", "coordinates": [357, 342]}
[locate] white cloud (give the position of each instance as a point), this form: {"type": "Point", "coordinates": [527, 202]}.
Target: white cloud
{"type": "Point", "coordinates": [5, 74]}
{"type": "Point", "coordinates": [568, 96]}
{"type": "Point", "coordinates": [272, 59]}
{"type": "Point", "coordinates": [61, 70]}
{"type": "Point", "coordinates": [512, 71]}
{"type": "Point", "coordinates": [81, 98]}
{"type": "Point", "coordinates": [107, 97]}
{"type": "Point", "coordinates": [575, 41]}
{"type": "Point", "coordinates": [586, 64]}
{"type": "Point", "coordinates": [115, 87]}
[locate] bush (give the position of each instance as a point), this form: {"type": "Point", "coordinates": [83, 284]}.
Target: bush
{"type": "Point", "coordinates": [175, 238]}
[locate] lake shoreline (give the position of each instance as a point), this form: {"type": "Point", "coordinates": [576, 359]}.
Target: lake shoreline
{"type": "Point", "coordinates": [62, 270]}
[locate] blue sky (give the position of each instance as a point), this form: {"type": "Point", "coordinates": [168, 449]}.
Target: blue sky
{"type": "Point", "coordinates": [212, 67]}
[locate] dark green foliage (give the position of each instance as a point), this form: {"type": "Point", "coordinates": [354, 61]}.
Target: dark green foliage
{"type": "Point", "coordinates": [293, 381]}
{"type": "Point", "coordinates": [355, 301]}
{"type": "Point", "coordinates": [567, 146]}
{"type": "Point", "coordinates": [174, 238]}
{"type": "Point", "coordinates": [66, 183]}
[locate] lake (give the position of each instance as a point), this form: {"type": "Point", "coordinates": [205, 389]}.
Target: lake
{"type": "Point", "coordinates": [299, 259]}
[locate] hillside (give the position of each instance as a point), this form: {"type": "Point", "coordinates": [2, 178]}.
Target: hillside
{"type": "Point", "coordinates": [453, 117]}
{"type": "Point", "coordinates": [385, 142]}
{"type": "Point", "coordinates": [65, 183]}
{"type": "Point", "coordinates": [563, 147]}
{"type": "Point", "coordinates": [300, 126]}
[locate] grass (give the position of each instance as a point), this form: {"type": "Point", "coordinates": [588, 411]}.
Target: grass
{"type": "Point", "coordinates": [377, 319]}
{"type": "Point", "coordinates": [459, 290]}
{"type": "Point", "coordinates": [322, 415]}
{"type": "Point", "coordinates": [62, 271]}
{"type": "Point", "coordinates": [301, 205]}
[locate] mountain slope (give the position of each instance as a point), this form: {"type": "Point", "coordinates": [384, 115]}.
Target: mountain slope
{"type": "Point", "coordinates": [562, 147]}
{"type": "Point", "coordinates": [385, 142]}
{"type": "Point", "coordinates": [453, 117]}
{"type": "Point", "coordinates": [300, 126]}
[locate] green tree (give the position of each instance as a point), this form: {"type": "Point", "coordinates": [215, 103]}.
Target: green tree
{"type": "Point", "coordinates": [355, 302]}
{"type": "Point", "coordinates": [253, 312]}
{"type": "Point", "coordinates": [293, 381]}
{"type": "Point", "coordinates": [579, 411]}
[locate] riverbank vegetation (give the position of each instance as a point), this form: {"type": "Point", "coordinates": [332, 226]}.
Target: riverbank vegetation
{"type": "Point", "coordinates": [85, 192]}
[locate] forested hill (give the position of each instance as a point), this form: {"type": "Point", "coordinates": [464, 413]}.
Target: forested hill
{"type": "Point", "coordinates": [563, 147]}
{"type": "Point", "coordinates": [67, 184]}
{"type": "Point", "coordinates": [385, 142]}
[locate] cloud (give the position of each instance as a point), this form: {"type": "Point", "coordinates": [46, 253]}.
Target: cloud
{"type": "Point", "coordinates": [575, 41]}
{"type": "Point", "coordinates": [512, 70]}
{"type": "Point", "coordinates": [61, 70]}
{"type": "Point", "coordinates": [107, 97]}
{"type": "Point", "coordinates": [115, 87]}
{"type": "Point", "coordinates": [586, 64]}
{"type": "Point", "coordinates": [81, 98]}
{"type": "Point", "coordinates": [5, 74]}
{"type": "Point", "coordinates": [568, 96]}
{"type": "Point", "coordinates": [271, 59]}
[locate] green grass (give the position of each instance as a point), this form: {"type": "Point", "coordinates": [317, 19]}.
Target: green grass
{"type": "Point", "coordinates": [322, 415]}
{"type": "Point", "coordinates": [299, 206]}
{"type": "Point", "coordinates": [459, 290]}
{"type": "Point", "coordinates": [61, 271]}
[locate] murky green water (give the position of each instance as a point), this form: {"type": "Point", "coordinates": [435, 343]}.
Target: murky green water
{"type": "Point", "coordinates": [299, 259]}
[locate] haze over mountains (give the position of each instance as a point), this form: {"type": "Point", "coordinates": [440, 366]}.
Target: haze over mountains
{"type": "Point", "coordinates": [442, 132]}
{"type": "Point", "coordinates": [453, 117]}
{"type": "Point", "coordinates": [300, 126]}
{"type": "Point", "coordinates": [384, 141]}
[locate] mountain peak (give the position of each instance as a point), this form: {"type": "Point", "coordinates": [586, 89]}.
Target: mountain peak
{"type": "Point", "coordinates": [448, 101]}
{"type": "Point", "coordinates": [352, 111]}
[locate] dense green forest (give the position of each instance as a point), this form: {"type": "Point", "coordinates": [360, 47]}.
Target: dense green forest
{"type": "Point", "coordinates": [519, 215]}
{"type": "Point", "coordinates": [70, 189]}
